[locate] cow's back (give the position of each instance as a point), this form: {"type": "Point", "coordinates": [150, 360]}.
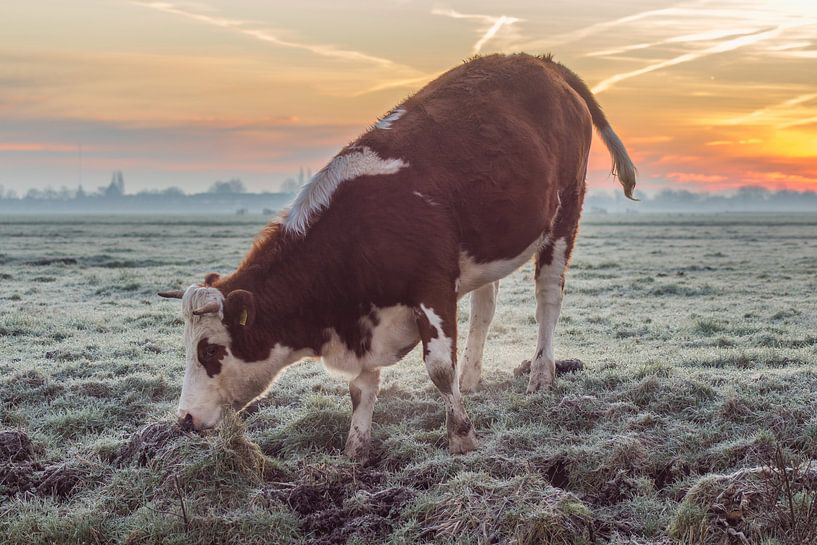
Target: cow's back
{"type": "Point", "coordinates": [493, 142]}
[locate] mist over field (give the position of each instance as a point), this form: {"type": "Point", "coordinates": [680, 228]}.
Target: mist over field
{"type": "Point", "coordinates": [698, 335]}
{"type": "Point", "coordinates": [223, 198]}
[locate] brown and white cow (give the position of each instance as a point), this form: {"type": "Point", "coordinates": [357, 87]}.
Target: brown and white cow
{"type": "Point", "coordinates": [451, 191]}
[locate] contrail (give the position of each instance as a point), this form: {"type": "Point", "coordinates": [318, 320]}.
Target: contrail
{"type": "Point", "coordinates": [496, 24]}
{"type": "Point", "coordinates": [758, 114]}
{"type": "Point", "coordinates": [266, 36]}
{"type": "Point", "coordinates": [687, 38]}
{"type": "Point", "coordinates": [722, 47]}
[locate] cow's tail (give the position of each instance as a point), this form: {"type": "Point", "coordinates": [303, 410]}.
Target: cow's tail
{"type": "Point", "coordinates": [623, 167]}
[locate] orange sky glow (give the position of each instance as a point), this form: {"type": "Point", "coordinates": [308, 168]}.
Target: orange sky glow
{"type": "Point", "coordinates": [707, 95]}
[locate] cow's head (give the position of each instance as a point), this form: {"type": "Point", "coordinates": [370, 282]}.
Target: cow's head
{"type": "Point", "coordinates": [215, 377]}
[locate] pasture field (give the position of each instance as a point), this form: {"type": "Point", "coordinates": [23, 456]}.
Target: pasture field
{"type": "Point", "coordinates": [698, 334]}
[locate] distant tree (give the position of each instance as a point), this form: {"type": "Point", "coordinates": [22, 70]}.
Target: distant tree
{"type": "Point", "coordinates": [233, 185]}
{"type": "Point", "coordinates": [173, 191]}
{"type": "Point", "coordinates": [267, 211]}
{"type": "Point", "coordinates": [117, 186]}
{"type": "Point", "coordinates": [80, 194]}
{"type": "Point", "coordinates": [290, 185]}
{"type": "Point", "coordinates": [65, 194]}
{"type": "Point", "coordinates": [241, 212]}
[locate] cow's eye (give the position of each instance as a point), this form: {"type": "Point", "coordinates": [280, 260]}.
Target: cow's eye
{"type": "Point", "coordinates": [210, 353]}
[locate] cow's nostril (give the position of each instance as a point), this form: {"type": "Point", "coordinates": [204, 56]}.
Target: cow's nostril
{"type": "Point", "coordinates": [186, 423]}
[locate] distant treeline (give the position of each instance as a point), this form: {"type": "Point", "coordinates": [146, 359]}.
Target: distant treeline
{"type": "Point", "coordinates": [223, 197]}
{"type": "Point", "coordinates": [231, 197]}
{"type": "Point", "coordinates": [744, 199]}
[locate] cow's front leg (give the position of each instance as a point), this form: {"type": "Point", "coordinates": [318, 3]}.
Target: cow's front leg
{"type": "Point", "coordinates": [363, 391]}
{"type": "Point", "coordinates": [437, 323]}
{"type": "Point", "coordinates": [483, 304]}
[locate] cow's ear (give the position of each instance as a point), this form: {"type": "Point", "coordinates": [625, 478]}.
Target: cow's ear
{"type": "Point", "coordinates": [239, 308]}
{"type": "Point", "coordinates": [210, 279]}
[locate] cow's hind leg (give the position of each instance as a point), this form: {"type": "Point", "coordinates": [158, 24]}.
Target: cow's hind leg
{"type": "Point", "coordinates": [551, 265]}
{"type": "Point", "coordinates": [437, 323]}
{"type": "Point", "coordinates": [363, 391]}
{"type": "Point", "coordinates": [483, 304]}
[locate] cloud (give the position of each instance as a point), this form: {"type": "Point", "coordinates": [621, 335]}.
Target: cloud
{"type": "Point", "coordinates": [696, 177]}
{"type": "Point", "coordinates": [495, 24]}
{"type": "Point", "coordinates": [36, 147]}
{"type": "Point", "coordinates": [743, 142]}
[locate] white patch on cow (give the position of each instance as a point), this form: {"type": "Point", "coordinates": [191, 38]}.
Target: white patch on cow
{"type": "Point", "coordinates": [396, 331]}
{"type": "Point", "coordinates": [474, 274]}
{"type": "Point", "coordinates": [439, 347]}
{"type": "Point", "coordinates": [317, 194]}
{"type": "Point", "coordinates": [200, 394]}
{"type": "Point", "coordinates": [548, 307]}
{"type": "Point", "coordinates": [386, 122]}
{"type": "Point", "coordinates": [428, 200]}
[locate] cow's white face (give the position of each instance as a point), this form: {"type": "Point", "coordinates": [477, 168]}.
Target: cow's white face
{"type": "Point", "coordinates": [214, 378]}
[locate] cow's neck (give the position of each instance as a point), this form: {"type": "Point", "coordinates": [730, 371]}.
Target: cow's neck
{"type": "Point", "coordinates": [285, 278]}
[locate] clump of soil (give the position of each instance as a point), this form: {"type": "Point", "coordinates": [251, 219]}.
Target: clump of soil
{"type": "Point", "coordinates": [749, 506]}
{"type": "Point", "coordinates": [562, 367]}
{"type": "Point", "coordinates": [18, 477]}
{"type": "Point", "coordinates": [340, 503]}
{"type": "Point", "coordinates": [19, 473]}
{"type": "Point", "coordinates": [15, 446]}
{"type": "Point", "coordinates": [52, 261]}
{"type": "Point", "coordinates": [148, 443]}
{"type": "Point", "coordinates": [522, 510]}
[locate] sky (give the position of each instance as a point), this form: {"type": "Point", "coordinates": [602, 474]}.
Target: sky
{"type": "Point", "coordinates": [707, 95]}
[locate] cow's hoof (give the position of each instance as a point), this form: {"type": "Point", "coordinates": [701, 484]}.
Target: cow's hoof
{"type": "Point", "coordinates": [357, 448]}
{"type": "Point", "coordinates": [539, 383]}
{"type": "Point", "coordinates": [460, 444]}
{"type": "Point", "coordinates": [469, 384]}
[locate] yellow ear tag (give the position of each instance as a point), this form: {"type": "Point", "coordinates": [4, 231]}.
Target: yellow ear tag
{"type": "Point", "coordinates": [243, 319]}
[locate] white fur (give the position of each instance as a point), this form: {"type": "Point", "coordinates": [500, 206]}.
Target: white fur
{"type": "Point", "coordinates": [623, 166]}
{"type": "Point", "coordinates": [317, 194]}
{"type": "Point", "coordinates": [548, 306]}
{"type": "Point", "coordinates": [439, 347]}
{"type": "Point", "coordinates": [428, 200]}
{"type": "Point", "coordinates": [396, 330]}
{"type": "Point", "coordinates": [474, 275]}
{"type": "Point", "coordinates": [387, 121]}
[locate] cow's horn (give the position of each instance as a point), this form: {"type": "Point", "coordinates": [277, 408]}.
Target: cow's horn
{"type": "Point", "coordinates": [213, 307]}
{"type": "Point", "coordinates": [172, 294]}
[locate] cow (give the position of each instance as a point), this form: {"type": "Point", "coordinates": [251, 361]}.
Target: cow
{"type": "Point", "coordinates": [452, 190]}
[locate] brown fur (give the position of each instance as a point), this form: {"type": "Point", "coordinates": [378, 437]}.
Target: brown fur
{"type": "Point", "coordinates": [210, 356]}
